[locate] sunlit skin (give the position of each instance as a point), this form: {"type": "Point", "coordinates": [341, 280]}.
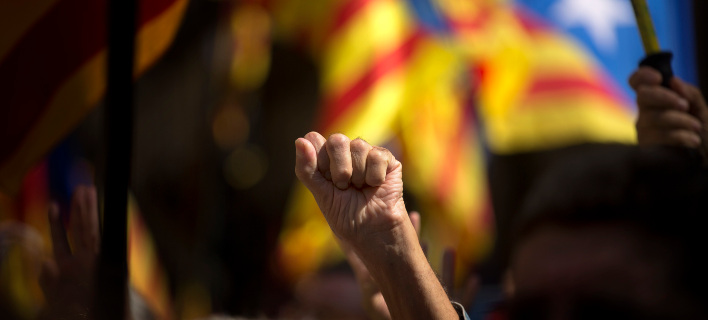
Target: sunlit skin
{"type": "Point", "coordinates": [359, 190]}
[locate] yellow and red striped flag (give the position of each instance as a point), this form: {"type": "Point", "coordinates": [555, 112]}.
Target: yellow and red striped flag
{"type": "Point", "coordinates": [52, 73]}
{"type": "Point", "coordinates": [394, 81]}
{"type": "Point", "coordinates": [52, 70]}
{"type": "Point", "coordinates": [536, 87]}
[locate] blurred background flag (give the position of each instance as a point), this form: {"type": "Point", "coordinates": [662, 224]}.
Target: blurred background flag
{"type": "Point", "coordinates": [52, 74]}
{"type": "Point", "coordinates": [52, 70]}
{"type": "Point", "coordinates": [447, 83]}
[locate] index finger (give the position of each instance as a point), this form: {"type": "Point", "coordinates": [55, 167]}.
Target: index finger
{"type": "Point", "coordinates": [318, 141]}
{"type": "Point", "coordinates": [60, 244]}
{"type": "Point", "coordinates": [448, 269]}
{"type": "Point", "coordinates": [644, 76]}
{"type": "Point", "coordinates": [379, 162]}
{"type": "Point", "coordinates": [660, 98]}
{"type": "Point", "coordinates": [693, 95]}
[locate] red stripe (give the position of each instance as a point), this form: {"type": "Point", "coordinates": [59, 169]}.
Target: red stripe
{"type": "Point", "coordinates": [450, 170]}
{"type": "Point", "coordinates": [557, 84]}
{"type": "Point", "coordinates": [337, 106]}
{"type": "Point", "coordinates": [528, 21]}
{"type": "Point", "coordinates": [344, 15]}
{"type": "Point", "coordinates": [150, 9]}
{"type": "Point", "coordinates": [472, 23]}
{"type": "Point", "coordinates": [54, 48]}
{"type": "Point", "coordinates": [531, 22]}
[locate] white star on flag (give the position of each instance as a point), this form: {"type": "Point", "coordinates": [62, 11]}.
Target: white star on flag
{"type": "Point", "coordinates": [600, 18]}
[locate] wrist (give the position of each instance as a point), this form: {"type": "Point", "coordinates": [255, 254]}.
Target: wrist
{"type": "Point", "coordinates": [394, 240]}
{"type": "Point", "coordinates": [398, 266]}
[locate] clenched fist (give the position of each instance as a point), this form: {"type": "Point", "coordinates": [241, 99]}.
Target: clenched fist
{"type": "Point", "coordinates": [357, 186]}
{"type": "Point", "coordinates": [359, 190]}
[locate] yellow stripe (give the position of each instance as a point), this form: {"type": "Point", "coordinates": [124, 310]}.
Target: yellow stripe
{"type": "Point", "coordinates": [553, 53]}
{"type": "Point", "coordinates": [306, 242]}
{"type": "Point", "coordinates": [373, 115]}
{"type": "Point", "coordinates": [80, 93]}
{"type": "Point", "coordinates": [147, 275]}
{"type": "Point", "coordinates": [16, 17]}
{"type": "Point", "coordinates": [379, 28]}
{"type": "Point", "coordinates": [293, 18]}
{"type": "Point", "coordinates": [559, 122]}
{"type": "Point", "coordinates": [156, 35]}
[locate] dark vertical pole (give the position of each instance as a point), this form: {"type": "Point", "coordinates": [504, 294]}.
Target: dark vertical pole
{"type": "Point", "coordinates": [112, 277]}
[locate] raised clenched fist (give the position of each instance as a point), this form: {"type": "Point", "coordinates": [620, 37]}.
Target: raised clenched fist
{"type": "Point", "coordinates": [357, 186]}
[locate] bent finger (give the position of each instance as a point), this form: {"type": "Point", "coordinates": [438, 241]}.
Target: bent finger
{"type": "Point", "coordinates": [660, 98]}
{"type": "Point", "coordinates": [318, 141]}
{"type": "Point", "coordinates": [684, 138]}
{"type": "Point", "coordinates": [694, 97]}
{"type": "Point", "coordinates": [378, 163]}
{"type": "Point", "coordinates": [306, 165]}
{"type": "Point", "coordinates": [645, 76]}
{"type": "Point", "coordinates": [60, 244]}
{"type": "Point", "coordinates": [670, 119]}
{"type": "Point", "coordinates": [340, 159]}
{"type": "Point", "coordinates": [360, 149]}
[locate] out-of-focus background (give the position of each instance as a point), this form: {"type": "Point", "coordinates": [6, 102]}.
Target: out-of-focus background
{"type": "Point", "coordinates": [474, 96]}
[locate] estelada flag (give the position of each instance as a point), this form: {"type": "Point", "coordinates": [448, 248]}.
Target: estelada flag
{"type": "Point", "coordinates": [487, 77]}
{"type": "Point", "coordinates": [53, 70]}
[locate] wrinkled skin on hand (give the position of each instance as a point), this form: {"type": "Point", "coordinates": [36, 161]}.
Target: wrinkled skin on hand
{"type": "Point", "coordinates": [358, 187]}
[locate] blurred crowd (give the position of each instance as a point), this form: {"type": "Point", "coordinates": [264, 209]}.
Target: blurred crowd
{"type": "Point", "coordinates": [534, 189]}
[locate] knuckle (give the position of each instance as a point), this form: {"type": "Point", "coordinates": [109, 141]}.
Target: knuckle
{"type": "Point", "coordinates": [313, 136]}
{"type": "Point", "coordinates": [338, 138]}
{"type": "Point", "coordinates": [376, 180]}
{"type": "Point", "coordinates": [359, 144]}
{"type": "Point", "coordinates": [378, 154]}
{"type": "Point", "coordinates": [341, 171]}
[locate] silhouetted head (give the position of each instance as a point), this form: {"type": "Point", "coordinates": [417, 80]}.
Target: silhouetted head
{"type": "Point", "coordinates": [614, 233]}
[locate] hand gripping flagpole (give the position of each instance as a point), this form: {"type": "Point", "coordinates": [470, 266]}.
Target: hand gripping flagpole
{"type": "Point", "coordinates": [655, 57]}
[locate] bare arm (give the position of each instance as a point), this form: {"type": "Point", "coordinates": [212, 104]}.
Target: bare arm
{"type": "Point", "coordinates": [359, 189]}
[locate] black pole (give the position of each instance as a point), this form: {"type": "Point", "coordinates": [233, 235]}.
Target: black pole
{"type": "Point", "coordinates": [112, 273]}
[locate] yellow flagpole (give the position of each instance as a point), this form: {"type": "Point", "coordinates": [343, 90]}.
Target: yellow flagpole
{"type": "Point", "coordinates": [656, 58]}
{"type": "Point", "coordinates": [646, 27]}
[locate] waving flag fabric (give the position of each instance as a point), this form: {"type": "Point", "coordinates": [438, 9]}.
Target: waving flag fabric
{"type": "Point", "coordinates": [443, 82]}
{"type": "Point", "coordinates": [52, 73]}
{"type": "Point", "coordinates": [52, 70]}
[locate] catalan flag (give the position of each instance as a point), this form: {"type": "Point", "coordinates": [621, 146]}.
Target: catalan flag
{"type": "Point", "coordinates": [52, 70]}
{"type": "Point", "coordinates": [52, 73]}
{"type": "Point", "coordinates": [391, 81]}
{"type": "Point", "coordinates": [444, 83]}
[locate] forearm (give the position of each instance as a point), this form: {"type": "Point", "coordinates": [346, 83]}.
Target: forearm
{"type": "Point", "coordinates": [406, 280]}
